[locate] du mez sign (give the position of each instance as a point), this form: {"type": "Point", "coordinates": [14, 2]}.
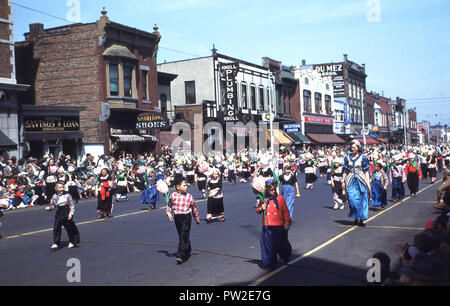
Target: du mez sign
{"type": "Point", "coordinates": [229, 90]}
{"type": "Point", "coordinates": [336, 71]}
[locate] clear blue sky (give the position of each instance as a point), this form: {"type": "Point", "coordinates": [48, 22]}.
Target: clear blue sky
{"type": "Point", "coordinates": [404, 43]}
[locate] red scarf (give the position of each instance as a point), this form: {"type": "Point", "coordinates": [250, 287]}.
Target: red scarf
{"type": "Point", "coordinates": [104, 191]}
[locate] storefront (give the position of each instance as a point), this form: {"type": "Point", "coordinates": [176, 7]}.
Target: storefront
{"type": "Point", "coordinates": [294, 131]}
{"type": "Point", "coordinates": [51, 130]}
{"type": "Point", "coordinates": [134, 133]}
{"type": "Point", "coordinates": [319, 129]}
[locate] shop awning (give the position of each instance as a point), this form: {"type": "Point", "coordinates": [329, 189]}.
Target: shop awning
{"type": "Point", "coordinates": [134, 138]}
{"type": "Point", "coordinates": [6, 144]}
{"type": "Point", "coordinates": [370, 141]}
{"type": "Point", "coordinates": [282, 138]}
{"type": "Point", "coordinates": [52, 136]}
{"type": "Point", "coordinates": [298, 137]}
{"type": "Point", "coordinates": [382, 140]}
{"type": "Point", "coordinates": [325, 138]}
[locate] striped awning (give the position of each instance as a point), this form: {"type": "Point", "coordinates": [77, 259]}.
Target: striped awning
{"type": "Point", "coordinates": [6, 144]}
{"type": "Point", "coordinates": [280, 137]}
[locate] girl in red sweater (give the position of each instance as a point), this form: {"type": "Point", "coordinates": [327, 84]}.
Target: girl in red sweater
{"type": "Point", "coordinates": [413, 175]}
{"type": "Point", "coordinates": [276, 222]}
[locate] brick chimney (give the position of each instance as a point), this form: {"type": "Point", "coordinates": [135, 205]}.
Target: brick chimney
{"type": "Point", "coordinates": [36, 30]}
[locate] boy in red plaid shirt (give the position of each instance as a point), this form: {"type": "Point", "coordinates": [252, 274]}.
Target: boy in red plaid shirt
{"type": "Point", "coordinates": [182, 204]}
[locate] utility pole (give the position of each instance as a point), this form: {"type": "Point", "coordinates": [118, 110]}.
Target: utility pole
{"type": "Point", "coordinates": [271, 77]}
{"type": "Point", "coordinates": [363, 123]}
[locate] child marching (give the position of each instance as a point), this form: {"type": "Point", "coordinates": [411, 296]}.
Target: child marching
{"type": "Point", "coordinates": [310, 171]}
{"type": "Point", "coordinates": [179, 209]}
{"type": "Point", "coordinates": [336, 184]}
{"type": "Point", "coordinates": [65, 209]}
{"type": "Point", "coordinates": [215, 197]}
{"type": "Point", "coordinates": [276, 223]}
{"type": "Point", "coordinates": [397, 178]}
{"type": "Point", "coordinates": [379, 182]}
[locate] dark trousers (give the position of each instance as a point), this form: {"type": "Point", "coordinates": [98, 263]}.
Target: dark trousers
{"type": "Point", "coordinates": [70, 226]}
{"type": "Point", "coordinates": [398, 190]}
{"type": "Point", "coordinates": [183, 225]}
{"type": "Point", "coordinates": [413, 182]}
{"type": "Point", "coordinates": [274, 241]}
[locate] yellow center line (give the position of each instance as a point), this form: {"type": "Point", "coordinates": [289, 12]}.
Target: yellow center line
{"type": "Point", "coordinates": [393, 227]}
{"type": "Point", "coordinates": [274, 272]}
{"type": "Point", "coordinates": [85, 222]}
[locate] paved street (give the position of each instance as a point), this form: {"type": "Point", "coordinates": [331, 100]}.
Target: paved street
{"type": "Point", "coordinates": [138, 247]}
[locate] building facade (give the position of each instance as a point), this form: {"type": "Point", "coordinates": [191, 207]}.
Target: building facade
{"type": "Point", "coordinates": [106, 69]}
{"type": "Point", "coordinates": [349, 86]}
{"type": "Point", "coordinates": [206, 88]}
{"type": "Point", "coordinates": [11, 143]}
{"type": "Point", "coordinates": [317, 105]}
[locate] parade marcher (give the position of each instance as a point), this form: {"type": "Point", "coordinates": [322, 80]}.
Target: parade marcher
{"type": "Point", "coordinates": [322, 164]}
{"type": "Point", "coordinates": [310, 171]}
{"type": "Point", "coordinates": [122, 185]}
{"type": "Point", "coordinates": [215, 207]}
{"type": "Point", "coordinates": [50, 179]}
{"type": "Point", "coordinates": [179, 209]}
{"type": "Point", "coordinates": [397, 178]}
{"type": "Point", "coordinates": [289, 189]}
{"type": "Point", "coordinates": [413, 175]}
{"type": "Point", "coordinates": [231, 172]}
{"type": "Point", "coordinates": [380, 182]}
{"type": "Point", "coordinates": [190, 172]}
{"type": "Point", "coordinates": [357, 183]}
{"type": "Point", "coordinates": [65, 209]}
{"type": "Point", "coordinates": [201, 178]}
{"type": "Point", "coordinates": [150, 195]}
{"type": "Point", "coordinates": [432, 166]}
{"type": "Point", "coordinates": [422, 159]}
{"type": "Point", "coordinates": [336, 184]}
{"type": "Point", "coordinates": [276, 223]}
{"type": "Point", "coordinates": [104, 194]}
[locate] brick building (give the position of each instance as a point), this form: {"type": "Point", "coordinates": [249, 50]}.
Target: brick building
{"type": "Point", "coordinates": [101, 74]}
{"type": "Point", "coordinates": [10, 142]}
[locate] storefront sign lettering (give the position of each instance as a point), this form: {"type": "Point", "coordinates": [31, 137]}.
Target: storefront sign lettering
{"type": "Point", "coordinates": [229, 90]}
{"type": "Point", "coordinates": [50, 124]}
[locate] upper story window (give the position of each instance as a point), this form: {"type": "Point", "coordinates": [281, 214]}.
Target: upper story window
{"type": "Point", "coordinates": [253, 96]}
{"type": "Point", "coordinates": [261, 98]}
{"type": "Point", "coordinates": [328, 104]}
{"type": "Point", "coordinates": [190, 92]}
{"type": "Point", "coordinates": [318, 103]}
{"type": "Point", "coordinates": [127, 79]}
{"type": "Point", "coordinates": [144, 85]}
{"type": "Point", "coordinates": [113, 79]}
{"type": "Point", "coordinates": [121, 66]}
{"type": "Point", "coordinates": [307, 107]}
{"type": "Point", "coordinates": [244, 95]}
{"type": "Point", "coordinates": [306, 81]}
